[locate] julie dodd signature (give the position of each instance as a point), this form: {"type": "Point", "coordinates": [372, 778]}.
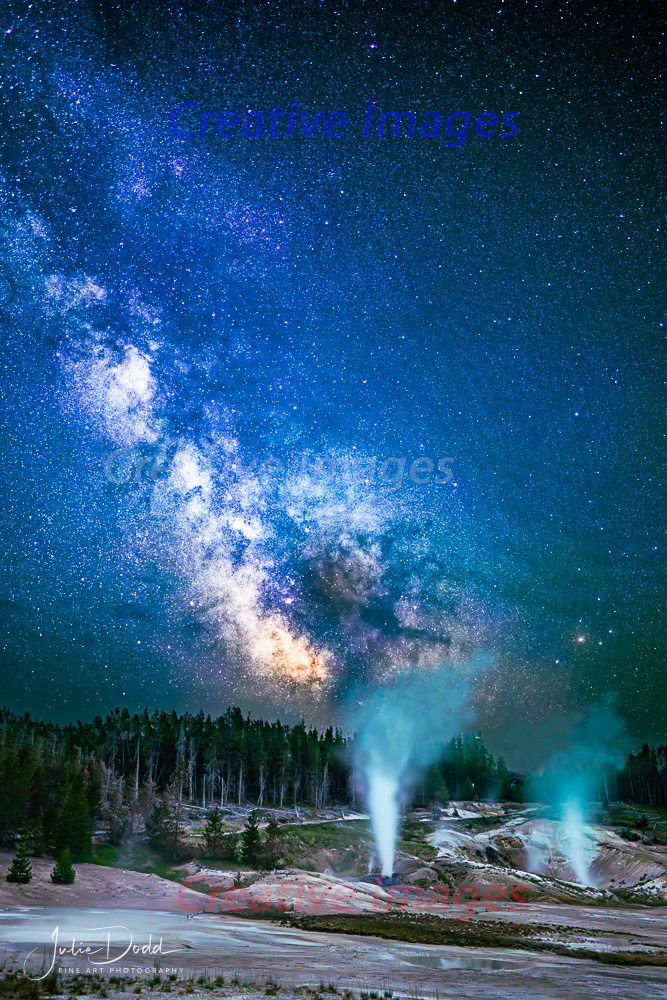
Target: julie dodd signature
{"type": "Point", "coordinates": [100, 954]}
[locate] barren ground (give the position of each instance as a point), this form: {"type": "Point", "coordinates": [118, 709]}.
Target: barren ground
{"type": "Point", "coordinates": [255, 952]}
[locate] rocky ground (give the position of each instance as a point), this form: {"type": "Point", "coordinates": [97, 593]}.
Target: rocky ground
{"type": "Point", "coordinates": [485, 904]}
{"type": "Point", "coordinates": [501, 844]}
{"type": "Point", "coordinates": [498, 848]}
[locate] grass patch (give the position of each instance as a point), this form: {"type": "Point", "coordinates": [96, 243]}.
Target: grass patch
{"type": "Point", "coordinates": [412, 829]}
{"type": "Point", "coordinates": [423, 929]}
{"type": "Point", "coordinates": [635, 896]}
{"type": "Point", "coordinates": [331, 835]}
{"type": "Point", "coordinates": [164, 869]}
{"type": "Point", "coordinates": [105, 855]}
{"type": "Point", "coordinates": [483, 823]}
{"type": "Point", "coordinates": [138, 858]}
{"type": "Point", "coordinates": [420, 850]}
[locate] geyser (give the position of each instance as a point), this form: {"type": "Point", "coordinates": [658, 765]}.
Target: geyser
{"type": "Point", "coordinates": [383, 806]}
{"type": "Point", "coordinates": [575, 841]}
{"type": "Point", "coordinates": [401, 729]}
{"type": "Point", "coordinates": [574, 777]}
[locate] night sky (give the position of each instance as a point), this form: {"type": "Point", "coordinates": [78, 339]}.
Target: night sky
{"type": "Point", "coordinates": [244, 325]}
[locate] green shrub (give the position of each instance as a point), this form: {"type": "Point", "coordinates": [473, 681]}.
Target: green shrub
{"type": "Point", "coordinates": [63, 873]}
{"type": "Point", "coordinates": [20, 870]}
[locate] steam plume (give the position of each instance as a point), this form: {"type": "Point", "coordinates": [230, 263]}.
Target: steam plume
{"type": "Point", "coordinates": [401, 729]}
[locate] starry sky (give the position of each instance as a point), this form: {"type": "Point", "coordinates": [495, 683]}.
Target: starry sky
{"type": "Point", "coordinates": [212, 346]}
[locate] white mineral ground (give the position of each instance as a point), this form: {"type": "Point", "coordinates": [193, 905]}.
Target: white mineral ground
{"type": "Point", "coordinates": [559, 912]}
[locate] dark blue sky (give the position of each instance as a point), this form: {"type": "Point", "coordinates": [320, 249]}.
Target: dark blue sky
{"type": "Point", "coordinates": [205, 303]}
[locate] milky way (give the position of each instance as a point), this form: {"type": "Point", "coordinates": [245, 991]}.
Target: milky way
{"type": "Point", "coordinates": [213, 347]}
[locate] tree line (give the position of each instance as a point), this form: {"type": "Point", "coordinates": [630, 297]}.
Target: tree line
{"type": "Point", "coordinates": [118, 774]}
{"type": "Point", "coordinates": [57, 782]}
{"type": "Point", "coordinates": [643, 779]}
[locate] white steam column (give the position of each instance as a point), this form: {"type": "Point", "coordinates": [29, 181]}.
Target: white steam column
{"type": "Point", "coordinates": [383, 806]}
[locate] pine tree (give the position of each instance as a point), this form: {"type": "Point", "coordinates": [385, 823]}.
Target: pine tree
{"type": "Point", "coordinates": [63, 873]}
{"type": "Point", "coordinates": [214, 830]}
{"type": "Point", "coordinates": [163, 827]}
{"type": "Point", "coordinates": [272, 847]}
{"type": "Point", "coordinates": [251, 840]}
{"type": "Point", "coordinates": [75, 827]}
{"type": "Point", "coordinates": [12, 794]}
{"type": "Point", "coordinates": [20, 870]}
{"type": "Point", "coordinates": [435, 786]}
{"type": "Point", "coordinates": [33, 835]}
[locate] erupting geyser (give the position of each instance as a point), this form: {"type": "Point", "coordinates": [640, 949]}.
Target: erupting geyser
{"type": "Point", "coordinates": [401, 730]}
{"type": "Point", "coordinates": [383, 806]}
{"type": "Point", "coordinates": [575, 841]}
